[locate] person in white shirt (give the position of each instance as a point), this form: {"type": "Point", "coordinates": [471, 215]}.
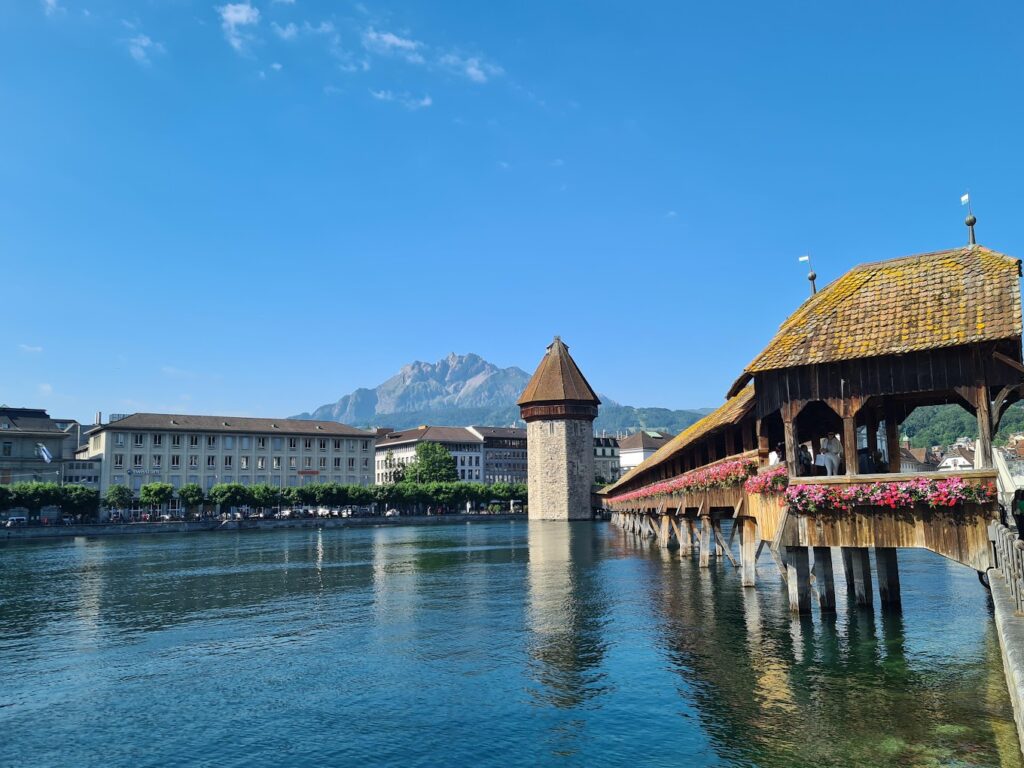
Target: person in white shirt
{"type": "Point", "coordinates": [831, 453]}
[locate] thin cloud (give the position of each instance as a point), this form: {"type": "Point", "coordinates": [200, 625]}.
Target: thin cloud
{"type": "Point", "coordinates": [276, 67]}
{"type": "Point", "coordinates": [407, 100]}
{"type": "Point", "coordinates": [177, 373]}
{"type": "Point", "coordinates": [671, 214]}
{"type": "Point", "coordinates": [45, 389]}
{"type": "Point", "coordinates": [390, 44]}
{"type": "Point", "coordinates": [52, 7]}
{"type": "Point", "coordinates": [288, 32]}
{"type": "Point", "coordinates": [235, 19]}
{"type": "Point", "coordinates": [472, 67]}
{"type": "Point", "coordinates": [33, 350]}
{"type": "Point", "coordinates": [141, 46]}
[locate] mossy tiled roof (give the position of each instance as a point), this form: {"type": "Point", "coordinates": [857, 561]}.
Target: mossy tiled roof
{"type": "Point", "coordinates": [728, 414]}
{"type": "Point", "coordinates": [927, 301]}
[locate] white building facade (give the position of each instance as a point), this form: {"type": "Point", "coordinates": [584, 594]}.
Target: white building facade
{"type": "Point", "coordinates": [207, 450]}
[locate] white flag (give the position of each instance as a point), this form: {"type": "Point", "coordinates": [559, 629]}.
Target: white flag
{"type": "Point", "coordinates": [965, 199]}
{"type": "Point", "coordinates": [805, 258]}
{"type": "Point", "coordinates": [45, 453]}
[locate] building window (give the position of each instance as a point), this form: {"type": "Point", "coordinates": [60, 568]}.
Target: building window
{"type": "Point", "coordinates": [137, 461]}
{"type": "Point", "coordinates": [138, 440]}
{"type": "Point", "coordinates": [156, 458]}
{"type": "Point", "coordinates": [261, 462]}
{"type": "Point", "coordinates": [352, 462]}
{"type": "Point", "coordinates": [175, 441]}
{"type": "Point", "coordinates": [337, 462]}
{"type": "Point", "coordinates": [193, 461]}
{"type": "Point", "coordinates": [158, 440]}
{"type": "Point", "coordinates": [323, 445]}
{"type": "Point", "coordinates": [276, 462]}
{"type": "Point", "coordinates": [211, 441]}
{"type": "Point", "coordinates": [244, 442]}
{"type": "Point", "coordinates": [175, 461]}
{"type": "Point", "coordinates": [293, 443]}
{"type": "Point", "coordinates": [261, 442]}
{"type": "Point", "coordinates": [229, 442]}
{"type": "Point", "coordinates": [228, 461]}
{"type": "Point", "coordinates": [323, 462]}
{"type": "Point", "coordinates": [292, 462]}
{"type": "Point", "coordinates": [193, 441]}
{"type": "Point", "coordinates": [366, 445]}
{"type": "Point", "coordinates": [337, 445]}
{"type": "Point", "coordinates": [211, 462]}
{"type": "Point", "coordinates": [308, 443]}
{"type": "Point", "coordinates": [243, 462]}
{"type": "Point", "coordinates": [119, 438]}
{"type": "Point", "coordinates": [366, 463]}
{"type": "Point", "coordinates": [118, 461]}
{"type": "Point", "coordinates": [307, 462]}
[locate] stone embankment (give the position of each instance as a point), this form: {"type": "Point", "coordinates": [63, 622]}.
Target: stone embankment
{"type": "Point", "coordinates": [144, 529]}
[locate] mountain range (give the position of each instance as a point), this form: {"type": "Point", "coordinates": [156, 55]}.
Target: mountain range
{"type": "Point", "coordinates": [461, 390]}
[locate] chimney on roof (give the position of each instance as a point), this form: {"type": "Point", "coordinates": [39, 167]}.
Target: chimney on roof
{"type": "Point", "coordinates": [99, 418]}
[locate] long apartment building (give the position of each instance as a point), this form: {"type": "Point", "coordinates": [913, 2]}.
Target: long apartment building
{"type": "Point", "coordinates": [482, 454]}
{"type": "Point", "coordinates": [207, 450]}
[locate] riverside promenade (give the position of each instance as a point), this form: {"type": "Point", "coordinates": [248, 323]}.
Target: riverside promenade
{"type": "Point", "coordinates": [204, 526]}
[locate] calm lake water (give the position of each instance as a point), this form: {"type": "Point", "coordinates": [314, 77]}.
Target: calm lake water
{"type": "Point", "coordinates": [489, 644]}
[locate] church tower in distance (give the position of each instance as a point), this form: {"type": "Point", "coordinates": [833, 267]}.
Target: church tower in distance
{"type": "Point", "coordinates": [559, 409]}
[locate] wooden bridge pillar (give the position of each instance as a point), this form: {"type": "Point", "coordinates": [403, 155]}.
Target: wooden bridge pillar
{"type": "Point", "coordinates": [824, 580]}
{"type": "Point", "coordinates": [748, 549]}
{"type": "Point", "coordinates": [665, 530]}
{"type": "Point", "coordinates": [888, 577]}
{"type": "Point", "coordinates": [690, 529]}
{"type": "Point", "coordinates": [705, 541]}
{"type": "Point", "coordinates": [848, 568]}
{"type": "Point", "coordinates": [798, 579]}
{"type": "Point", "coordinates": [861, 566]}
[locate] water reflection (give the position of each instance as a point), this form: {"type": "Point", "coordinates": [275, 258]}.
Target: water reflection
{"type": "Point", "coordinates": [772, 689]}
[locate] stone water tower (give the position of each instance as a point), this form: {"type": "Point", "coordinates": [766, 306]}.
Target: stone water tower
{"type": "Point", "coordinates": [559, 409]}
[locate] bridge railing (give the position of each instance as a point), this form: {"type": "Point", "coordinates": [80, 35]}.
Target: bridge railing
{"type": "Point", "coordinates": [1009, 558]}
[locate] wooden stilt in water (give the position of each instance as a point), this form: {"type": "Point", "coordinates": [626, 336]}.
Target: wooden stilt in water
{"type": "Point", "coordinates": [686, 543]}
{"type": "Point", "coordinates": [824, 580]}
{"type": "Point", "coordinates": [748, 549]}
{"type": "Point", "coordinates": [848, 568]}
{"type": "Point", "coordinates": [723, 548]}
{"type": "Point", "coordinates": [719, 549]}
{"type": "Point", "coordinates": [798, 579]}
{"type": "Point", "coordinates": [664, 530]}
{"type": "Point", "coordinates": [888, 577]}
{"type": "Point", "coordinates": [861, 575]}
{"type": "Point", "coordinates": [705, 541]}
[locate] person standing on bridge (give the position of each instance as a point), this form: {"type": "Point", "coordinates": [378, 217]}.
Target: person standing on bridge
{"type": "Point", "coordinates": [831, 453]}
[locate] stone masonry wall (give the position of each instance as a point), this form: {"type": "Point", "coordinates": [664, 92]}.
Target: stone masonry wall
{"type": "Point", "coordinates": [560, 461]}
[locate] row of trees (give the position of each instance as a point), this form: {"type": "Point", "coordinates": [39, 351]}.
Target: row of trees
{"type": "Point", "coordinates": [35, 496]}
{"type": "Point", "coordinates": [403, 494]}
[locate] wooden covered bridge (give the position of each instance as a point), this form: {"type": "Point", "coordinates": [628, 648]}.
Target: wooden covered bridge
{"type": "Point", "coordinates": [847, 367]}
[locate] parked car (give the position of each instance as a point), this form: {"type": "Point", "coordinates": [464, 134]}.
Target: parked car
{"type": "Point", "coordinates": [16, 520]}
{"type": "Point", "coordinates": [392, 513]}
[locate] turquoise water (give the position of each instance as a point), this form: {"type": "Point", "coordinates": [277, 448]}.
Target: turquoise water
{"type": "Point", "coordinates": [489, 644]}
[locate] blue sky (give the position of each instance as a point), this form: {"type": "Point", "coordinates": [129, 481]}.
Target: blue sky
{"type": "Point", "coordinates": [254, 208]}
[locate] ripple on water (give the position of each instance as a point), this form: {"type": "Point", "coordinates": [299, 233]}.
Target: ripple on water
{"type": "Point", "coordinates": [491, 644]}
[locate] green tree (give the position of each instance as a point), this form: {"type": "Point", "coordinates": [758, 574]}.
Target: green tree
{"type": "Point", "coordinates": [433, 464]}
{"type": "Point", "coordinates": [395, 468]}
{"type": "Point", "coordinates": [191, 496]}
{"type": "Point", "coordinates": [265, 496]}
{"type": "Point", "coordinates": [156, 494]}
{"type": "Point", "coordinates": [118, 497]}
{"type": "Point", "coordinates": [291, 496]}
{"type": "Point", "coordinates": [79, 500]}
{"type": "Point", "coordinates": [231, 495]}
{"type": "Point", "coordinates": [35, 495]}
